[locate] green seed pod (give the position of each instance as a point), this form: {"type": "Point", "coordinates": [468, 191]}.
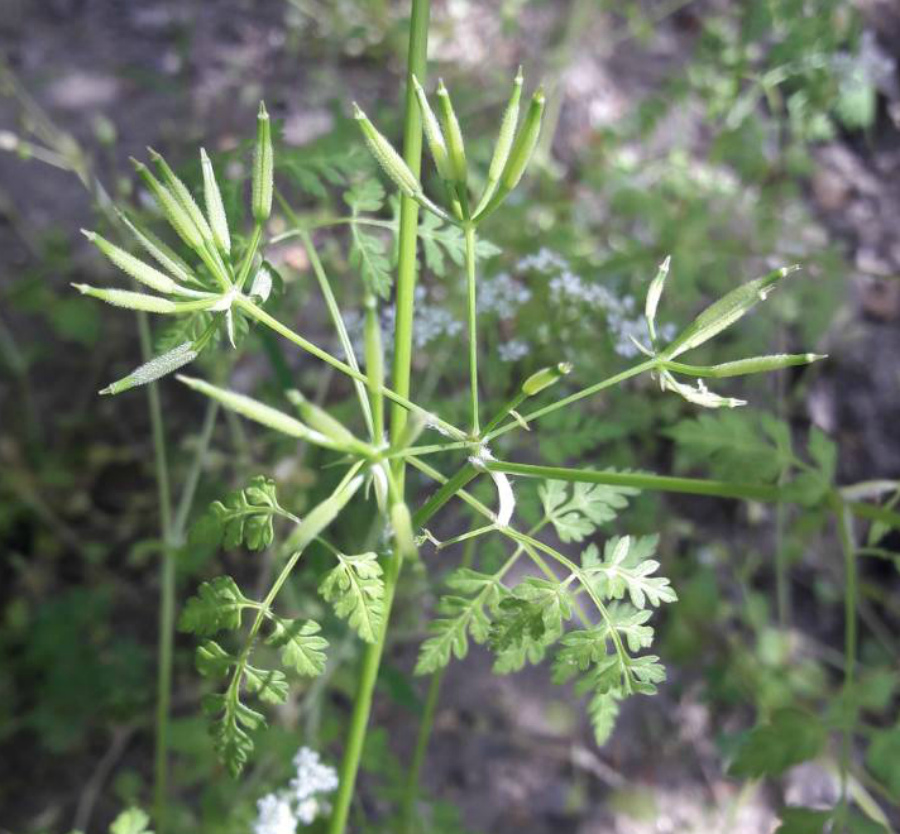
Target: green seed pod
{"type": "Point", "coordinates": [263, 168]}
{"type": "Point", "coordinates": [653, 295]}
{"type": "Point", "coordinates": [759, 364]}
{"type": "Point", "coordinates": [218, 221]}
{"type": "Point", "coordinates": [159, 251]}
{"type": "Point", "coordinates": [525, 143]}
{"type": "Point", "coordinates": [390, 161]}
{"type": "Point", "coordinates": [136, 268]}
{"type": "Point", "coordinates": [321, 420]}
{"type": "Point", "coordinates": [401, 522]}
{"type": "Point", "coordinates": [180, 191]}
{"type": "Point", "coordinates": [171, 207]}
{"type": "Point", "coordinates": [155, 369]}
{"type": "Point", "coordinates": [261, 413]}
{"type": "Point", "coordinates": [507, 130]}
{"type": "Point", "coordinates": [725, 312]}
{"type": "Point", "coordinates": [433, 134]}
{"type": "Point", "coordinates": [544, 378]}
{"type": "Point", "coordinates": [455, 145]}
{"type": "Point", "coordinates": [504, 142]}
{"type": "Point", "coordinates": [130, 300]}
{"type": "Point", "coordinates": [323, 514]}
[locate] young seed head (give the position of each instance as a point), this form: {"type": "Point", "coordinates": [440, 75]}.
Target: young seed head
{"type": "Point", "coordinates": [762, 364]}
{"type": "Point", "coordinates": [544, 378]}
{"type": "Point", "coordinates": [130, 265]}
{"type": "Point", "coordinates": [455, 145]}
{"type": "Point", "coordinates": [433, 134]}
{"type": "Point", "coordinates": [159, 251]}
{"type": "Point", "coordinates": [390, 161]}
{"type": "Point", "coordinates": [214, 206]}
{"type": "Point", "coordinates": [130, 300]}
{"type": "Point", "coordinates": [507, 131]}
{"type": "Point", "coordinates": [180, 191]}
{"type": "Point", "coordinates": [525, 143]}
{"type": "Point", "coordinates": [172, 208]}
{"type": "Point", "coordinates": [155, 369]}
{"type": "Point", "coordinates": [263, 168]}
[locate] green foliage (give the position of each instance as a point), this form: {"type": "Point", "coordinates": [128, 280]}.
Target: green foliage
{"type": "Point", "coordinates": [244, 517]}
{"type": "Point", "coordinates": [626, 567]}
{"type": "Point", "coordinates": [882, 756]}
{"type": "Point", "coordinates": [790, 737]}
{"type": "Point", "coordinates": [578, 514]}
{"type": "Point", "coordinates": [803, 821]}
{"type": "Point", "coordinates": [462, 615]}
{"type": "Point", "coordinates": [356, 590]}
{"type": "Point", "coordinates": [302, 648]}
{"type": "Point", "coordinates": [217, 607]}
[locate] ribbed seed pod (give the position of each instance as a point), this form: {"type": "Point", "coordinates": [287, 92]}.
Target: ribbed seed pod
{"type": "Point", "coordinates": [261, 413]}
{"type": "Point", "coordinates": [263, 167]}
{"type": "Point", "coordinates": [171, 208]}
{"type": "Point", "coordinates": [433, 134]}
{"type": "Point", "coordinates": [752, 365]}
{"type": "Point", "coordinates": [318, 518]}
{"type": "Point", "coordinates": [155, 369]}
{"type": "Point", "coordinates": [525, 143]}
{"type": "Point", "coordinates": [322, 421]}
{"type": "Point", "coordinates": [180, 191]}
{"type": "Point", "coordinates": [136, 268]}
{"type": "Point", "coordinates": [215, 209]}
{"type": "Point", "coordinates": [504, 142]}
{"type": "Point", "coordinates": [159, 251]}
{"type": "Point", "coordinates": [390, 161]}
{"type": "Point", "coordinates": [453, 135]}
{"type": "Point", "coordinates": [544, 378]}
{"type": "Point", "coordinates": [130, 300]}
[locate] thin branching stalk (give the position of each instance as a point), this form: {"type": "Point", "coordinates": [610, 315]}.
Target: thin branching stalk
{"type": "Point", "coordinates": [472, 308]}
{"type": "Point", "coordinates": [405, 304]}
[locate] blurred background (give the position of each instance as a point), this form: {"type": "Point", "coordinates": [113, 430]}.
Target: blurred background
{"type": "Point", "coordinates": [734, 136]}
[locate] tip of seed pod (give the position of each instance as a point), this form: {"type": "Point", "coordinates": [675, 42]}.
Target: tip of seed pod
{"type": "Point", "coordinates": [565, 368]}
{"type": "Point", "coordinates": [539, 96]}
{"type": "Point", "coordinates": [107, 390]}
{"type": "Point", "coordinates": [295, 397]}
{"type": "Point", "coordinates": [664, 266]}
{"type": "Point", "coordinates": [203, 155]}
{"type": "Point", "coordinates": [190, 381]}
{"type": "Point", "coordinates": [815, 357]}
{"type": "Point", "coordinates": [263, 113]}
{"type": "Point", "coordinates": [358, 112]}
{"type": "Point", "coordinates": [138, 165]}
{"type": "Point", "coordinates": [154, 155]}
{"type": "Point", "coordinates": [787, 270]}
{"type": "Point", "coordinates": [520, 76]}
{"type": "Point", "coordinates": [91, 236]}
{"type": "Point", "coordinates": [84, 289]}
{"type": "Point", "coordinates": [441, 89]}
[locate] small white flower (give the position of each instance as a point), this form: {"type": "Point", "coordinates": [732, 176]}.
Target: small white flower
{"type": "Point", "coordinates": [312, 776]}
{"type": "Point", "coordinates": [274, 816]}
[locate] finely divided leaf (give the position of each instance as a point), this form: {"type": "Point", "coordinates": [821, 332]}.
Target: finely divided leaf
{"type": "Point", "coordinates": [577, 516]}
{"type": "Point", "coordinates": [356, 590]}
{"type": "Point", "coordinates": [626, 566]}
{"type": "Point", "coordinates": [301, 646]}
{"type": "Point", "coordinates": [468, 613]}
{"type": "Point", "coordinates": [216, 607]}
{"type": "Point", "coordinates": [245, 516]}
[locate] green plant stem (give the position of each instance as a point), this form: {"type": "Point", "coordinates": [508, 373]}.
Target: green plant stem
{"type": "Point", "coordinates": [189, 489]}
{"type": "Point", "coordinates": [405, 304]}
{"type": "Point", "coordinates": [338, 320]}
{"type": "Point", "coordinates": [848, 548]}
{"type": "Point", "coordinates": [636, 370]}
{"type": "Point", "coordinates": [166, 589]}
{"type": "Point", "coordinates": [400, 400]}
{"type": "Point", "coordinates": [472, 306]}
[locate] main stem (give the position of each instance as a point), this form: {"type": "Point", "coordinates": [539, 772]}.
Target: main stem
{"type": "Point", "coordinates": [166, 591]}
{"type": "Point", "coordinates": [405, 307]}
{"type": "Point", "coordinates": [473, 325]}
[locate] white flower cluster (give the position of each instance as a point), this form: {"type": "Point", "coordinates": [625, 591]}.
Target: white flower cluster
{"type": "Point", "coordinates": [566, 287]}
{"type": "Point", "coordinates": [502, 295]}
{"type": "Point", "coordinates": [302, 801]}
{"type": "Point", "coordinates": [513, 350]}
{"type": "Point", "coordinates": [431, 322]}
